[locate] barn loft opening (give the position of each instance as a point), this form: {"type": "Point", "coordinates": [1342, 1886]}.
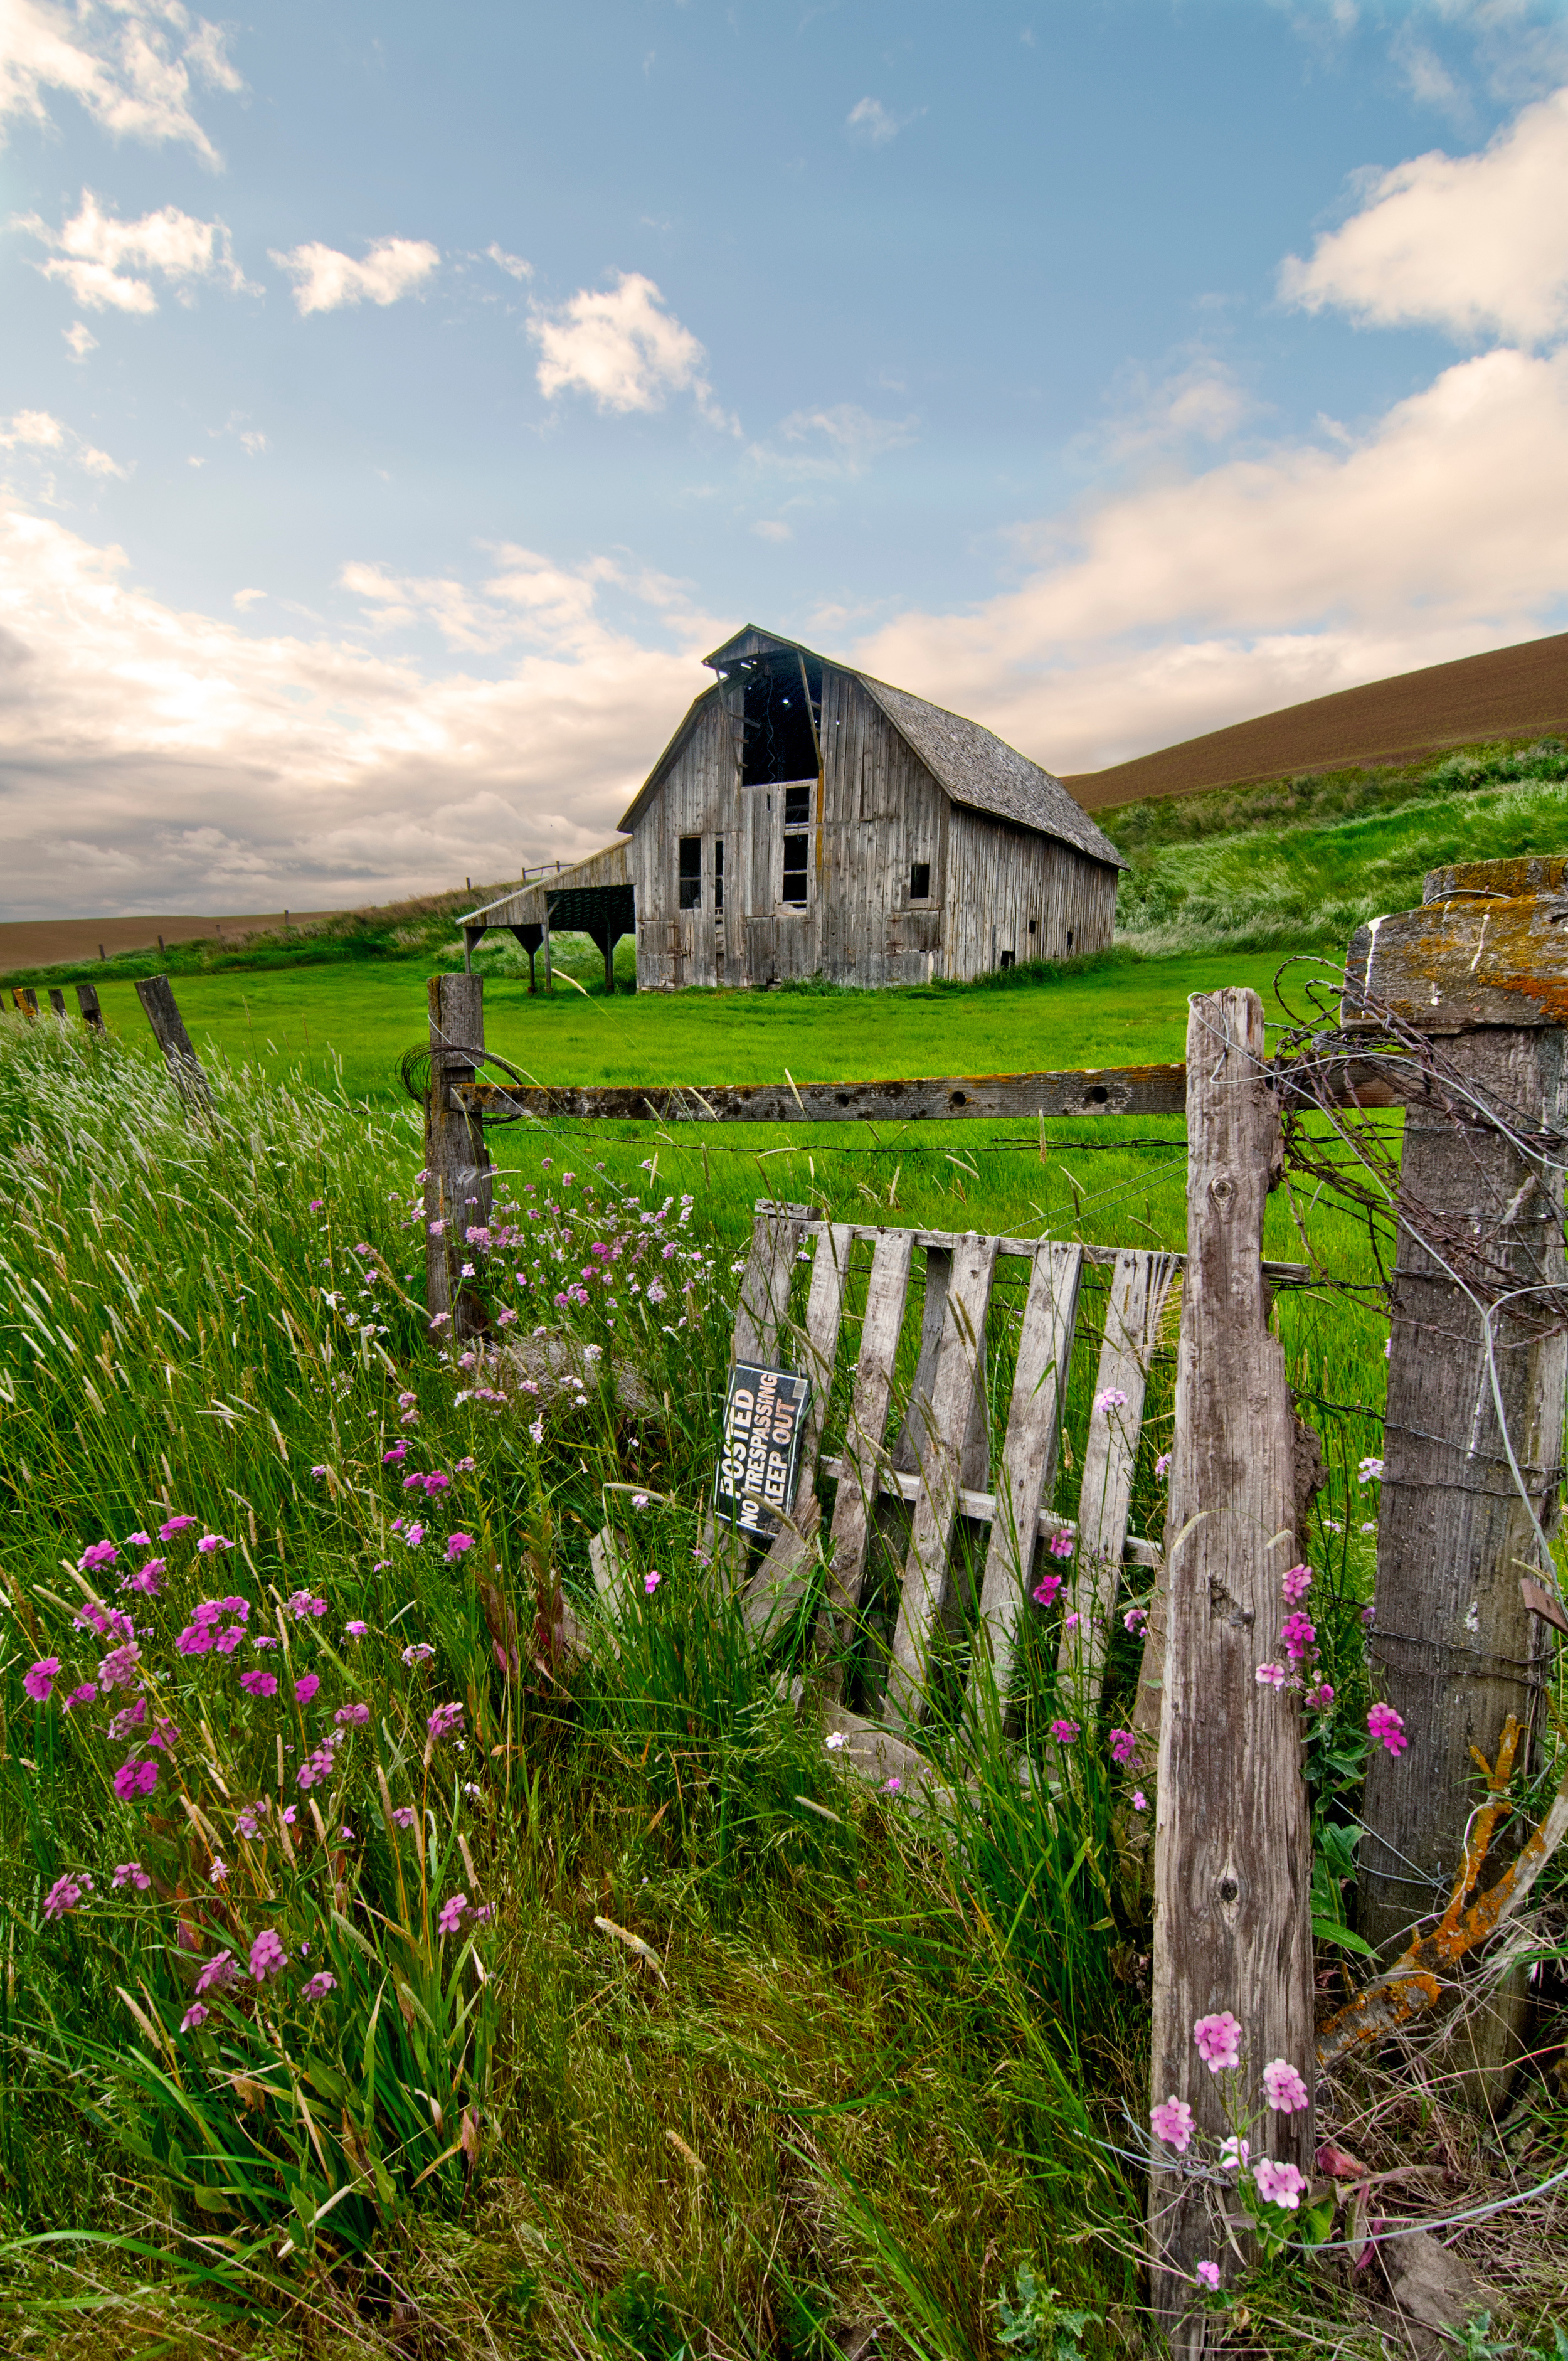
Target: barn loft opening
{"type": "Point", "coordinates": [782, 703]}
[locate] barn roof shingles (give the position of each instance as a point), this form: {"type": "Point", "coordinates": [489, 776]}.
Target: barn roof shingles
{"type": "Point", "coordinates": [981, 770]}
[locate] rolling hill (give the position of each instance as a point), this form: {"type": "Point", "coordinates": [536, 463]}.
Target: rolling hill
{"type": "Point", "coordinates": [1510, 693]}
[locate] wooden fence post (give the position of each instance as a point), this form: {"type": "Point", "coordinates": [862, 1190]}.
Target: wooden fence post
{"type": "Point", "coordinates": [1232, 1851]}
{"type": "Point", "coordinates": [56, 1002]}
{"type": "Point", "coordinates": [1454, 1646]}
{"type": "Point", "coordinates": [163, 1016]}
{"type": "Point", "coordinates": [25, 998]}
{"type": "Point", "coordinates": [91, 1014]}
{"type": "Point", "coordinates": [457, 1159]}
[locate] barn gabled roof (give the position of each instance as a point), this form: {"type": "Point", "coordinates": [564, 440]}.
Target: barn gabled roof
{"type": "Point", "coordinates": [976, 767]}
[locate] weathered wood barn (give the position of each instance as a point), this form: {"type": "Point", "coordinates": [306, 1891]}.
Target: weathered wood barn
{"type": "Point", "coordinates": [806, 819]}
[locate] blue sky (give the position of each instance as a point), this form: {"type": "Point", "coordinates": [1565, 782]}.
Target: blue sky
{"type": "Point", "coordinates": [395, 404]}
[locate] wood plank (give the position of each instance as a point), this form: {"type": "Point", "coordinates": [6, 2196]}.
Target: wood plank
{"type": "Point", "coordinates": [974, 1469]}
{"type": "Point", "coordinates": [1029, 1463]}
{"type": "Point", "coordinates": [1274, 1274]}
{"type": "Point", "coordinates": [780, 1583]}
{"type": "Point", "coordinates": [824, 1318]}
{"type": "Point", "coordinates": [1090, 1091]}
{"type": "Point", "coordinates": [981, 1508]}
{"type": "Point", "coordinates": [939, 1452]}
{"type": "Point", "coordinates": [1233, 1839]}
{"type": "Point", "coordinates": [1140, 1285]}
{"type": "Point", "coordinates": [162, 1013]}
{"type": "Point", "coordinates": [866, 1454]}
{"type": "Point", "coordinates": [763, 1308]}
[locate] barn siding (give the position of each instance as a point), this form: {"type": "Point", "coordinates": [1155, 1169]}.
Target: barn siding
{"type": "Point", "coordinates": [876, 811]}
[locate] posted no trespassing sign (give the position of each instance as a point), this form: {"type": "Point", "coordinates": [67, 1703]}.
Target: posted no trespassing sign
{"type": "Point", "coordinates": [764, 1413]}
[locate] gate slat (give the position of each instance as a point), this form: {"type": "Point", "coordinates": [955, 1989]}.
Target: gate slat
{"type": "Point", "coordinates": [764, 1305]}
{"type": "Point", "coordinates": [864, 1452]}
{"type": "Point", "coordinates": [1030, 1458]}
{"type": "Point", "coordinates": [1139, 1286]}
{"type": "Point", "coordinates": [824, 1317]}
{"type": "Point", "coordinates": [939, 1450]}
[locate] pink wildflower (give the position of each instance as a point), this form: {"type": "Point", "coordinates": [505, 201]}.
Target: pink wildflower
{"type": "Point", "coordinates": [1300, 1635]}
{"type": "Point", "coordinates": [1061, 1543]}
{"type": "Point", "coordinates": [1219, 2041]}
{"type": "Point", "coordinates": [66, 1892]}
{"type": "Point", "coordinates": [1162, 1466]}
{"type": "Point", "coordinates": [258, 1684]}
{"type": "Point", "coordinates": [1295, 1582]}
{"type": "Point", "coordinates": [145, 1577]}
{"type": "Point", "coordinates": [455, 1545]}
{"type": "Point", "coordinates": [1279, 2184]}
{"type": "Point", "coordinates": [1270, 1676]}
{"type": "Point", "coordinates": [452, 1912]}
{"type": "Point", "coordinates": [1209, 2275]}
{"type": "Point", "coordinates": [210, 1543]}
{"type": "Point", "coordinates": [131, 1873]}
{"type": "Point", "coordinates": [306, 1687]}
{"type": "Point", "coordinates": [1135, 1621]}
{"type": "Point", "coordinates": [352, 1716]}
{"type": "Point", "coordinates": [320, 1985]}
{"type": "Point", "coordinates": [1123, 1745]}
{"type": "Point", "coordinates": [416, 1652]}
{"type": "Point", "coordinates": [1320, 1698]}
{"type": "Point", "coordinates": [267, 1956]}
{"type": "Point", "coordinates": [301, 1603]}
{"type": "Point", "coordinates": [134, 1779]}
{"type": "Point", "coordinates": [85, 1694]}
{"type": "Point", "coordinates": [167, 1531]}
{"type": "Point", "coordinates": [398, 1450]}
{"type": "Point", "coordinates": [96, 1555]}
{"type": "Point", "coordinates": [640, 1500]}
{"type": "Point", "coordinates": [413, 1535]}
{"type": "Point", "coordinates": [195, 2015]}
{"type": "Point", "coordinates": [357, 1629]}
{"type": "Point", "coordinates": [892, 1786]}
{"type": "Point", "coordinates": [404, 1814]}
{"type": "Point", "coordinates": [1112, 1398]}
{"type": "Point", "coordinates": [1140, 1801]}
{"type": "Point", "coordinates": [1234, 2153]}
{"type": "Point", "coordinates": [1045, 1589]}
{"type": "Point", "coordinates": [1064, 1732]}
{"type": "Point", "coordinates": [651, 1580]}
{"type": "Point", "coordinates": [1384, 1724]}
{"type": "Point", "coordinates": [39, 1679]}
{"type": "Point", "coordinates": [1172, 2122]}
{"type": "Point", "coordinates": [1283, 2087]}
{"type": "Point", "coordinates": [218, 1974]}
{"type": "Point", "coordinates": [444, 1721]}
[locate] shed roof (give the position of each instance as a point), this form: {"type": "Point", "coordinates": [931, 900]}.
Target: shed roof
{"type": "Point", "coordinates": [976, 767]}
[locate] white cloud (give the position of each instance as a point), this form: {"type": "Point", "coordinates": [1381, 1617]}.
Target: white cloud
{"type": "Point", "coordinates": [838, 440]}
{"type": "Point", "coordinates": [81, 339]}
{"type": "Point", "coordinates": [128, 62]}
{"type": "Point", "coordinates": [773, 529]}
{"type": "Point", "coordinates": [245, 599]}
{"type": "Point", "coordinates": [98, 256]}
{"type": "Point", "coordinates": [196, 760]}
{"type": "Point", "coordinates": [1477, 245]}
{"type": "Point", "coordinates": [870, 121]}
{"type": "Point", "coordinates": [513, 264]}
{"type": "Point", "coordinates": [1424, 74]}
{"type": "Point", "coordinates": [254, 444]}
{"type": "Point", "coordinates": [326, 280]}
{"type": "Point", "coordinates": [620, 345]}
{"type": "Point", "coordinates": [37, 430]}
{"type": "Point", "coordinates": [1178, 608]}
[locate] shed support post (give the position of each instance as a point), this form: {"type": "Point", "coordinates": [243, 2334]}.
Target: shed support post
{"type": "Point", "coordinates": [1454, 1647]}
{"type": "Point", "coordinates": [457, 1159]}
{"type": "Point", "coordinates": [162, 1014]}
{"type": "Point", "coordinates": [549, 971]}
{"type": "Point", "coordinates": [1232, 1926]}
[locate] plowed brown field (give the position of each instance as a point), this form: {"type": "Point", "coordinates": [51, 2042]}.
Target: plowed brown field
{"type": "Point", "coordinates": [47, 942]}
{"type": "Point", "coordinates": [1510, 693]}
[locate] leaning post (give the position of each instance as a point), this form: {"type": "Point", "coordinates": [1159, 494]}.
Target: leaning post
{"type": "Point", "coordinates": [1483, 965]}
{"type": "Point", "coordinates": [162, 1013]}
{"type": "Point", "coordinates": [91, 1013]}
{"type": "Point", "coordinates": [1233, 1874]}
{"type": "Point", "coordinates": [457, 1159]}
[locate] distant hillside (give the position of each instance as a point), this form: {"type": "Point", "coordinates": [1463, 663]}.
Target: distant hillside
{"type": "Point", "coordinates": [1512, 693]}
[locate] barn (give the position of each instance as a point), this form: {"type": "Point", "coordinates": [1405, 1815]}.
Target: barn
{"type": "Point", "coordinates": [806, 819]}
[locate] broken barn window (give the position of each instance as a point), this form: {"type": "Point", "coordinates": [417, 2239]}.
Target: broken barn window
{"type": "Point", "coordinates": [779, 740]}
{"type": "Point", "coordinates": [797, 806]}
{"type": "Point", "coordinates": [919, 881]}
{"type": "Point", "coordinates": [719, 873]}
{"type": "Point", "coordinates": [691, 873]}
{"type": "Point", "coordinates": [1006, 959]}
{"type": "Point", "coordinates": [795, 849]}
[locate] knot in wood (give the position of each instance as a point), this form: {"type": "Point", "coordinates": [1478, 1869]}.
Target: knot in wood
{"type": "Point", "coordinates": [1229, 1890]}
{"type": "Point", "coordinates": [1223, 1191]}
{"type": "Point", "coordinates": [1228, 1609]}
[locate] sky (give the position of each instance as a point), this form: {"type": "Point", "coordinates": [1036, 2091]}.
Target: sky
{"type": "Point", "coordinates": [397, 403]}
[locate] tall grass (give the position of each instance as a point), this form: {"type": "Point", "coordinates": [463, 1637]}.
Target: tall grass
{"type": "Point", "coordinates": [842, 2090]}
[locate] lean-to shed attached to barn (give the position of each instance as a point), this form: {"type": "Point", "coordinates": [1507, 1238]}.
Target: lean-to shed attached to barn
{"type": "Point", "coordinates": [807, 819]}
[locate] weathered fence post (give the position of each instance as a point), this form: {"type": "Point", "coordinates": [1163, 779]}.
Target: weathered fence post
{"type": "Point", "coordinates": [163, 1016]}
{"type": "Point", "coordinates": [56, 1002]}
{"type": "Point", "coordinates": [457, 1159]}
{"type": "Point", "coordinates": [91, 1014]}
{"type": "Point", "coordinates": [1454, 1648]}
{"type": "Point", "coordinates": [25, 998]}
{"type": "Point", "coordinates": [1232, 1851]}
